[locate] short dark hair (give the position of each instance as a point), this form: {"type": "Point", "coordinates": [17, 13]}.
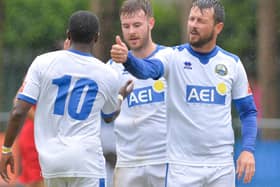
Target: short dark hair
{"type": "Point", "coordinates": [131, 6]}
{"type": "Point", "coordinates": [83, 26]}
{"type": "Point", "coordinates": [219, 10]}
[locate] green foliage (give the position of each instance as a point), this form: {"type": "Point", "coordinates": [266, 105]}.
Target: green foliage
{"type": "Point", "coordinates": [239, 35]}
{"type": "Point", "coordinates": [167, 30]}
{"type": "Point", "coordinates": [33, 23]}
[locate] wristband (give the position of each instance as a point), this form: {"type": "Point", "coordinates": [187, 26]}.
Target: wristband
{"type": "Point", "coordinates": [6, 150]}
{"type": "Point", "coordinates": [120, 97]}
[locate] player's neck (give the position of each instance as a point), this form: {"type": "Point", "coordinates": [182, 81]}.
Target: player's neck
{"type": "Point", "coordinates": [145, 51]}
{"type": "Point", "coordinates": [205, 48]}
{"type": "Point", "coordinates": [85, 48]}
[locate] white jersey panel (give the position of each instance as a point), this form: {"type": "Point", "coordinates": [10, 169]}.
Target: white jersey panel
{"type": "Point", "coordinates": [200, 88]}
{"type": "Point", "coordinates": [141, 126]}
{"type": "Point", "coordinates": [70, 89]}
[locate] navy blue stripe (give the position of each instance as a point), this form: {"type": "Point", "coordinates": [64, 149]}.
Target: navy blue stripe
{"type": "Point", "coordinates": [27, 99]}
{"type": "Point", "coordinates": [166, 173]}
{"type": "Point", "coordinates": [102, 182]}
{"type": "Point", "coordinates": [80, 52]}
{"type": "Point", "coordinates": [107, 115]}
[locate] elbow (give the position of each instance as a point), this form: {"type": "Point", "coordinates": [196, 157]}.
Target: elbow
{"type": "Point", "coordinates": [108, 120]}
{"type": "Point", "coordinates": [18, 113]}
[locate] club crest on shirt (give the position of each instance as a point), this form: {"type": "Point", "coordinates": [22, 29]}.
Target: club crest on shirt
{"type": "Point", "coordinates": [221, 69]}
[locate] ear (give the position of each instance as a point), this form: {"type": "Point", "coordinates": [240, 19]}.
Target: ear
{"type": "Point", "coordinates": [151, 21]}
{"type": "Point", "coordinates": [68, 34]}
{"type": "Point", "coordinates": [219, 27]}
{"type": "Point", "coordinates": [96, 36]}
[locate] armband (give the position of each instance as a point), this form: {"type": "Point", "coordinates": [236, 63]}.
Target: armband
{"type": "Point", "coordinates": [6, 150]}
{"type": "Point", "coordinates": [120, 97]}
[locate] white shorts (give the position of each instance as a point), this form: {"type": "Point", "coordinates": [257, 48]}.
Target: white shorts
{"type": "Point", "coordinates": [200, 176]}
{"type": "Point", "coordinates": [141, 176]}
{"type": "Point", "coordinates": [74, 182]}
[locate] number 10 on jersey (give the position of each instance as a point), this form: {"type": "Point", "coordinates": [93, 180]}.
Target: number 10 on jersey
{"type": "Point", "coordinates": [81, 97]}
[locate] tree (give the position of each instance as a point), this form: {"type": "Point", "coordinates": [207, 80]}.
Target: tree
{"type": "Point", "coordinates": [268, 67]}
{"type": "Point", "coordinates": [29, 28]}
{"type": "Point", "coordinates": [1, 54]}
{"type": "Point", "coordinates": [37, 24]}
{"type": "Point", "coordinates": [107, 11]}
{"type": "Point", "coordinates": [167, 30]}
{"type": "Point", "coordinates": [184, 9]}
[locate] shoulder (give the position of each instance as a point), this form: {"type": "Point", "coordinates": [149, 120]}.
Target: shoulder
{"type": "Point", "coordinates": [229, 55]}
{"type": "Point", "coordinates": [115, 66]}
{"type": "Point", "coordinates": [111, 73]}
{"type": "Point", "coordinates": [42, 61]}
{"type": "Point", "coordinates": [161, 50]}
{"type": "Point", "coordinates": [181, 47]}
{"type": "Point", "coordinates": [50, 55]}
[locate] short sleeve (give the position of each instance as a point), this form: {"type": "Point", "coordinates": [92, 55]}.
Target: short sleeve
{"type": "Point", "coordinates": [241, 87]}
{"type": "Point", "coordinates": [165, 56]}
{"type": "Point", "coordinates": [30, 88]}
{"type": "Point", "coordinates": [111, 102]}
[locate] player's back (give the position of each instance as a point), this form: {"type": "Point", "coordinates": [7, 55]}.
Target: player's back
{"type": "Point", "coordinates": [73, 89]}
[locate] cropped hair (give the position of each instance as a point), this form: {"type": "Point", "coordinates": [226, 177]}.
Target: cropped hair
{"type": "Point", "coordinates": [83, 26]}
{"type": "Point", "coordinates": [131, 6]}
{"type": "Point", "coordinates": [219, 11]}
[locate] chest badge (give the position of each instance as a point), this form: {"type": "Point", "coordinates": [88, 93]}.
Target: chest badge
{"type": "Point", "coordinates": [221, 69]}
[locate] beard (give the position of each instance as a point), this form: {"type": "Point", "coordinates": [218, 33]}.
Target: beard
{"type": "Point", "coordinates": [202, 40]}
{"type": "Point", "coordinates": [142, 43]}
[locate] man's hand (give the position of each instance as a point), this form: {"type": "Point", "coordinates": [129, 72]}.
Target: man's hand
{"type": "Point", "coordinates": [127, 88]}
{"type": "Point", "coordinates": [6, 160]}
{"type": "Point", "coordinates": [246, 166]}
{"type": "Point", "coordinates": [119, 51]}
{"type": "Point", "coordinates": [123, 92]}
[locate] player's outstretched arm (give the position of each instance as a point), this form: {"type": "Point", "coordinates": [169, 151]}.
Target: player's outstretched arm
{"type": "Point", "coordinates": [140, 68]}
{"type": "Point", "coordinates": [17, 117]}
{"type": "Point", "coordinates": [124, 91]}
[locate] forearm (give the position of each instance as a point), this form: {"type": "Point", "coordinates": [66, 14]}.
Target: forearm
{"type": "Point", "coordinates": [248, 116]}
{"type": "Point", "coordinates": [110, 118]}
{"type": "Point", "coordinates": [16, 120]}
{"type": "Point", "coordinates": [144, 69]}
{"type": "Point", "coordinates": [14, 125]}
{"type": "Point", "coordinates": [249, 133]}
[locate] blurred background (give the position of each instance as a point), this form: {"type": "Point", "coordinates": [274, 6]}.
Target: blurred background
{"type": "Point", "coordinates": [252, 31]}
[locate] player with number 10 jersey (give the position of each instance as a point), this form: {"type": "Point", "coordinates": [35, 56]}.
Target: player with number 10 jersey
{"type": "Point", "coordinates": [67, 121]}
